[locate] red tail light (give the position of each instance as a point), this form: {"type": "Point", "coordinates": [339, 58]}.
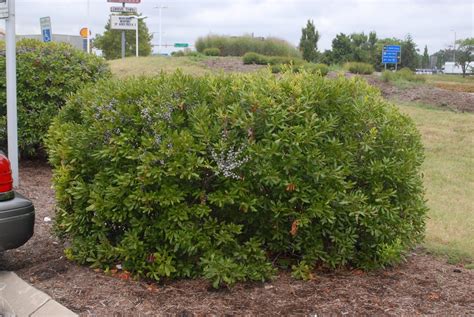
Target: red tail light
{"type": "Point", "coordinates": [6, 180]}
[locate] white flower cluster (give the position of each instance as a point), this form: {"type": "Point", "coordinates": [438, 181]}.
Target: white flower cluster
{"type": "Point", "coordinates": [228, 161]}
{"type": "Point", "coordinates": [167, 112]}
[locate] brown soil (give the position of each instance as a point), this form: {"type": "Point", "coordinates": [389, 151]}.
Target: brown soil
{"type": "Point", "coordinates": [230, 64]}
{"type": "Point", "coordinates": [423, 93]}
{"type": "Point", "coordinates": [422, 285]}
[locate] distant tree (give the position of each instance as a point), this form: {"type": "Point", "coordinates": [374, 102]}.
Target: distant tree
{"type": "Point", "coordinates": [425, 60]}
{"type": "Point", "coordinates": [465, 55]}
{"type": "Point", "coordinates": [110, 41]}
{"type": "Point", "coordinates": [409, 53]}
{"type": "Point", "coordinates": [309, 42]}
{"type": "Point", "coordinates": [341, 48]}
{"type": "Point", "coordinates": [372, 45]}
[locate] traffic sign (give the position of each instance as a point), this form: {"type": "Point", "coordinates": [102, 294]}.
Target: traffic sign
{"type": "Point", "coordinates": [124, 1]}
{"type": "Point", "coordinates": [124, 9]}
{"type": "Point", "coordinates": [181, 45]}
{"type": "Point", "coordinates": [3, 9]}
{"type": "Point", "coordinates": [46, 32]}
{"type": "Point", "coordinates": [391, 54]}
{"type": "Point", "coordinates": [393, 48]}
{"type": "Point", "coordinates": [122, 22]}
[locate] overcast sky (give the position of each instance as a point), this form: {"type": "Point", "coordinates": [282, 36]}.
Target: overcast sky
{"type": "Point", "coordinates": [430, 22]}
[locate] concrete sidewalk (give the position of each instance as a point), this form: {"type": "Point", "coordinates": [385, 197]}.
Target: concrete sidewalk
{"type": "Point", "coordinates": [19, 299]}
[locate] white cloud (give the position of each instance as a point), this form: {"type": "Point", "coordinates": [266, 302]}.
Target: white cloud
{"type": "Point", "coordinates": [428, 21]}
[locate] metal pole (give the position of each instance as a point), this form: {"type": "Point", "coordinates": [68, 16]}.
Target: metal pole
{"type": "Point", "coordinates": [123, 37]}
{"type": "Point", "coordinates": [12, 128]}
{"type": "Point", "coordinates": [136, 40]}
{"type": "Point", "coordinates": [159, 47]}
{"type": "Point", "coordinates": [88, 27]}
{"type": "Point", "coordinates": [454, 48]}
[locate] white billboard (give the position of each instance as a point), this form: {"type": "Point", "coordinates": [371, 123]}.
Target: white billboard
{"type": "Point", "coordinates": [121, 22]}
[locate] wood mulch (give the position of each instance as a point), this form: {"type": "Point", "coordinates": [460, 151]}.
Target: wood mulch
{"type": "Point", "coordinates": [422, 285]}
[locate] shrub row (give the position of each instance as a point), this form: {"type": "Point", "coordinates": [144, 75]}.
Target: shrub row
{"type": "Point", "coordinates": [359, 68]}
{"type": "Point", "coordinates": [212, 51]}
{"type": "Point", "coordinates": [404, 74]}
{"type": "Point", "coordinates": [220, 176]}
{"type": "Point", "coordinates": [239, 45]}
{"type": "Point", "coordinates": [283, 63]}
{"type": "Point", "coordinates": [47, 73]}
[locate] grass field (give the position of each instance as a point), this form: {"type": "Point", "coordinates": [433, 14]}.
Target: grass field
{"type": "Point", "coordinates": [153, 65]}
{"type": "Point", "coordinates": [449, 179]}
{"type": "Point", "coordinates": [452, 82]}
{"type": "Point", "coordinates": [448, 169]}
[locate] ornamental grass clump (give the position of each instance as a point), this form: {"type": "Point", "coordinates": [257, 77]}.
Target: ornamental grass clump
{"type": "Point", "coordinates": [228, 177]}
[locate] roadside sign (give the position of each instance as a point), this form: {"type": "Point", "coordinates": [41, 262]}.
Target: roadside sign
{"type": "Point", "coordinates": [122, 22]}
{"type": "Point", "coordinates": [391, 54]}
{"type": "Point", "coordinates": [124, 9]}
{"type": "Point", "coordinates": [124, 1]}
{"type": "Point", "coordinates": [181, 45]}
{"type": "Point", "coordinates": [46, 32]}
{"type": "Point", "coordinates": [3, 9]}
{"type": "Point", "coordinates": [83, 32]}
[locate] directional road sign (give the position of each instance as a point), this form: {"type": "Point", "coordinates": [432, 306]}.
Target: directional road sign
{"type": "Point", "coordinates": [181, 45]}
{"type": "Point", "coordinates": [122, 22]}
{"type": "Point", "coordinates": [3, 9]}
{"type": "Point", "coordinates": [123, 9]}
{"type": "Point", "coordinates": [46, 29]}
{"type": "Point", "coordinates": [391, 54]}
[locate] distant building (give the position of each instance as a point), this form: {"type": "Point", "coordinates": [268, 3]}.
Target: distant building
{"type": "Point", "coordinates": [75, 40]}
{"type": "Point", "coordinates": [451, 68]}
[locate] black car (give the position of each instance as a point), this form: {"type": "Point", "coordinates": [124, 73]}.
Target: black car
{"type": "Point", "coordinates": [17, 213]}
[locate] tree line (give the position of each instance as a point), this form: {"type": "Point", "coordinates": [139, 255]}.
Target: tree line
{"type": "Point", "coordinates": [367, 48]}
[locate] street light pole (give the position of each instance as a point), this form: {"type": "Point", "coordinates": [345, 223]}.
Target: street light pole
{"type": "Point", "coordinates": [160, 8]}
{"type": "Point", "coordinates": [88, 27]}
{"type": "Point", "coordinates": [454, 47]}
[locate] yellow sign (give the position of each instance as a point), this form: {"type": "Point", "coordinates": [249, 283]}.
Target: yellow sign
{"type": "Point", "coordinates": [84, 32]}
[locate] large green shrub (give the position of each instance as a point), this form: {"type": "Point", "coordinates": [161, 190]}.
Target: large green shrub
{"type": "Point", "coordinates": [47, 73]}
{"type": "Point", "coordinates": [239, 45]}
{"type": "Point", "coordinates": [219, 176]}
{"type": "Point", "coordinates": [404, 74]}
{"type": "Point", "coordinates": [212, 51]}
{"type": "Point", "coordinates": [359, 68]}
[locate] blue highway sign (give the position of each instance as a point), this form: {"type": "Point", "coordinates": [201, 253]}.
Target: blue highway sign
{"type": "Point", "coordinates": [391, 54]}
{"type": "Point", "coordinates": [47, 35]}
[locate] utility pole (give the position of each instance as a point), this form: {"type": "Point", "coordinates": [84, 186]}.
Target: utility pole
{"type": "Point", "coordinates": [160, 8]}
{"type": "Point", "coordinates": [88, 27]}
{"type": "Point", "coordinates": [12, 120]}
{"type": "Point", "coordinates": [123, 36]}
{"type": "Point", "coordinates": [454, 48]}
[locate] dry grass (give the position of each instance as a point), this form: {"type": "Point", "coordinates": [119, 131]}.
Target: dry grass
{"type": "Point", "coordinates": [153, 65]}
{"type": "Point", "coordinates": [452, 82]}
{"type": "Point", "coordinates": [449, 179]}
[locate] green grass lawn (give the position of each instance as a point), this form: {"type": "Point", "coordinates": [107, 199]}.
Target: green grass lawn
{"type": "Point", "coordinates": [449, 179]}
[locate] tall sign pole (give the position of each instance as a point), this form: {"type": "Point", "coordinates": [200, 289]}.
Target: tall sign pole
{"type": "Point", "coordinates": [12, 128]}
{"type": "Point", "coordinates": [123, 36]}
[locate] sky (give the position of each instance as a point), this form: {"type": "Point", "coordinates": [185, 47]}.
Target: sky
{"type": "Point", "coordinates": [430, 22]}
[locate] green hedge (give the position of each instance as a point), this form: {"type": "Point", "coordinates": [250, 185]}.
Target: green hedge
{"type": "Point", "coordinates": [223, 175]}
{"type": "Point", "coordinates": [404, 74]}
{"type": "Point", "coordinates": [359, 68]}
{"type": "Point", "coordinates": [212, 51]}
{"type": "Point", "coordinates": [259, 59]}
{"type": "Point", "coordinates": [47, 73]}
{"type": "Point", "coordinates": [239, 45]}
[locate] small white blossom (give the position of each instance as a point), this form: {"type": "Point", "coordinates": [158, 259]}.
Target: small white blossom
{"type": "Point", "coordinates": [228, 161]}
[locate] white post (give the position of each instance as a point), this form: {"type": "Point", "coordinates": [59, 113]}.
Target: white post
{"type": "Point", "coordinates": [136, 40]}
{"type": "Point", "coordinates": [88, 27]}
{"type": "Point", "coordinates": [159, 43]}
{"type": "Point", "coordinates": [11, 92]}
{"type": "Point", "coordinates": [454, 48]}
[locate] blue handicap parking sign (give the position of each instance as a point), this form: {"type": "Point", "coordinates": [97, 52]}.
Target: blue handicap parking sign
{"type": "Point", "coordinates": [47, 35]}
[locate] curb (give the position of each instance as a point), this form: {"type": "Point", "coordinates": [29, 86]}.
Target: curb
{"type": "Point", "coordinates": [19, 299]}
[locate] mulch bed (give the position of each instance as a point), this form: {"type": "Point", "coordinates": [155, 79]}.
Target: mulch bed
{"type": "Point", "coordinates": [423, 93]}
{"type": "Point", "coordinates": [422, 285]}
